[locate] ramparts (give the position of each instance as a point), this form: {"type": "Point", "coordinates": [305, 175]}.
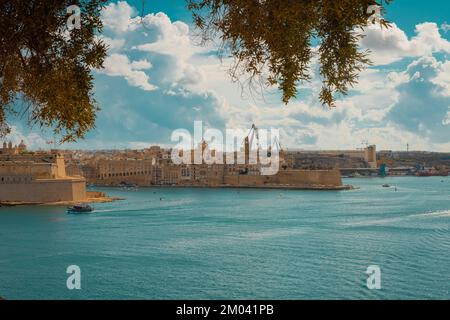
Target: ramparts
{"type": "Point", "coordinates": [43, 191]}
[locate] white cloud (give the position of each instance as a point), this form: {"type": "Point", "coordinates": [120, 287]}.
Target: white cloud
{"type": "Point", "coordinates": [184, 72]}
{"type": "Point", "coordinates": [153, 36]}
{"type": "Point", "coordinates": [443, 77]}
{"type": "Point", "coordinates": [445, 27]}
{"type": "Point", "coordinates": [119, 65]}
{"type": "Point", "coordinates": [141, 65]}
{"type": "Point", "coordinates": [172, 38]}
{"type": "Point", "coordinates": [392, 44]}
{"type": "Point", "coordinates": [113, 45]}
{"type": "Point", "coordinates": [446, 120]}
{"type": "Point", "coordinates": [118, 16]}
{"type": "Point", "coordinates": [423, 102]}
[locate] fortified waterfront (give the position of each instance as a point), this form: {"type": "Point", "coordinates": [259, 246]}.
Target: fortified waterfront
{"type": "Point", "coordinates": [40, 178]}
{"type": "Point", "coordinates": [36, 177]}
{"type": "Point", "coordinates": [155, 167]}
{"type": "Point", "coordinates": [183, 243]}
{"type": "Point", "coordinates": [61, 175]}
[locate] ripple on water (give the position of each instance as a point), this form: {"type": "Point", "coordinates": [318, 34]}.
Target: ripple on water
{"type": "Point", "coordinates": [218, 244]}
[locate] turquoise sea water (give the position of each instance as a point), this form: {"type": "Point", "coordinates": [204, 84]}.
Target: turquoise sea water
{"type": "Point", "coordinates": [236, 244]}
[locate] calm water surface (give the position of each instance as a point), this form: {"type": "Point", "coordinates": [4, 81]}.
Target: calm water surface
{"type": "Point", "coordinates": [236, 244]}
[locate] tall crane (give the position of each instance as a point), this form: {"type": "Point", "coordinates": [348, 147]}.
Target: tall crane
{"type": "Point", "coordinates": [248, 141]}
{"type": "Point", "coordinates": [277, 145]}
{"type": "Point", "coordinates": [251, 135]}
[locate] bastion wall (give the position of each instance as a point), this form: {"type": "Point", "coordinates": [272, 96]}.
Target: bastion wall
{"type": "Point", "coordinates": [331, 178]}
{"type": "Point", "coordinates": [44, 191]}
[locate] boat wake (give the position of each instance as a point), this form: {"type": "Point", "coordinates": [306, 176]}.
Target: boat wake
{"type": "Point", "coordinates": [442, 213]}
{"type": "Point", "coordinates": [386, 221]}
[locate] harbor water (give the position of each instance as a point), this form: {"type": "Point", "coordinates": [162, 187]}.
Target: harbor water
{"type": "Point", "coordinates": [168, 243]}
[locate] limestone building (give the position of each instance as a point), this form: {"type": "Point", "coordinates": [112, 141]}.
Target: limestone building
{"type": "Point", "coordinates": [368, 155]}
{"type": "Point", "coordinates": [159, 170]}
{"type": "Point", "coordinates": [36, 178]}
{"type": "Point", "coordinates": [9, 149]}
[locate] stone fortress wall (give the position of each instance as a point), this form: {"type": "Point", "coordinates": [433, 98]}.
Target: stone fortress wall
{"type": "Point", "coordinates": [158, 170]}
{"type": "Point", "coordinates": [368, 154]}
{"type": "Point", "coordinates": [44, 191]}
{"type": "Point", "coordinates": [36, 177]}
{"type": "Point", "coordinates": [290, 178]}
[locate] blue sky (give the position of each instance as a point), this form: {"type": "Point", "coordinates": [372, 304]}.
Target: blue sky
{"type": "Point", "coordinates": [156, 79]}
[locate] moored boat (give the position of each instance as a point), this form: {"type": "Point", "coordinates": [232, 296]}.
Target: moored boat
{"type": "Point", "coordinates": [81, 208]}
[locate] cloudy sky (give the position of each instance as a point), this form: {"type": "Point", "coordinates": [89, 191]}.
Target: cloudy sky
{"type": "Point", "coordinates": [156, 79]}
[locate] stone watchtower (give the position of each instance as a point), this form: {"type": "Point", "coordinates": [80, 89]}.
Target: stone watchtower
{"type": "Point", "coordinates": [60, 166]}
{"type": "Point", "coordinates": [370, 155]}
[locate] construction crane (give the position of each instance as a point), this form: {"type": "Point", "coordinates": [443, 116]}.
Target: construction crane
{"type": "Point", "coordinates": [250, 137]}
{"type": "Point", "coordinates": [248, 141]}
{"type": "Point", "coordinates": [277, 144]}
